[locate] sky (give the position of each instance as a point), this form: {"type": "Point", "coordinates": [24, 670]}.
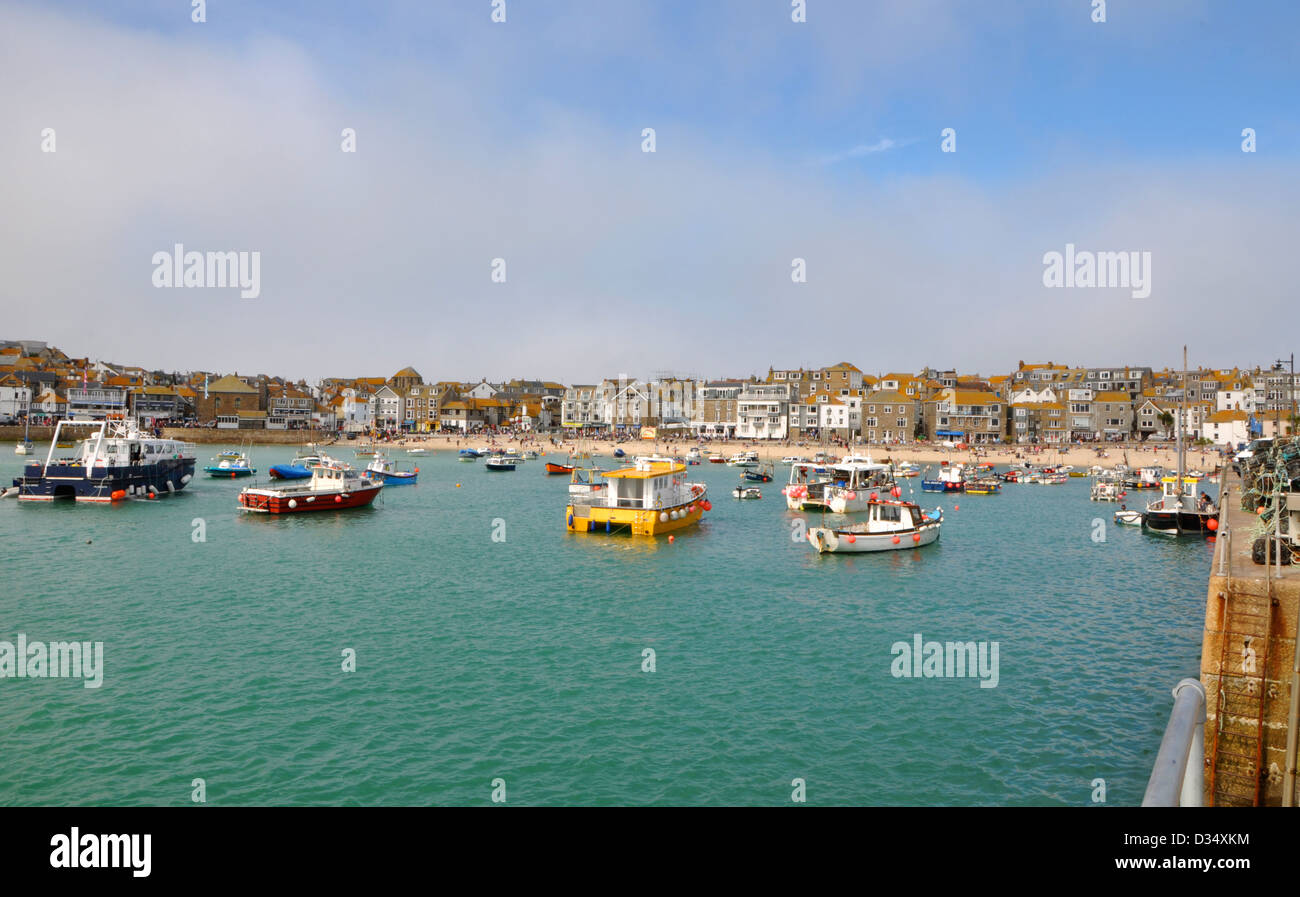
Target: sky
{"type": "Point", "coordinates": [775, 140]}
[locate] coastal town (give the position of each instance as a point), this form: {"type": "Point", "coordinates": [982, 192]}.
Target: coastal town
{"type": "Point", "coordinates": [1041, 403]}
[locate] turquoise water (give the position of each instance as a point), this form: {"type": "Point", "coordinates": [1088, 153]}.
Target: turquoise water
{"type": "Point", "coordinates": [522, 659]}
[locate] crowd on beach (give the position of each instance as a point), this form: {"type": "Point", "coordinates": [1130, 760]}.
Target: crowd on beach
{"type": "Point", "coordinates": [1075, 454]}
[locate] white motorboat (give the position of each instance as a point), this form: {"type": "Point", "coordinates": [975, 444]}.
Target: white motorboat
{"type": "Point", "coordinates": [806, 488]}
{"type": "Point", "coordinates": [1128, 517]}
{"type": "Point", "coordinates": [743, 459]}
{"type": "Point", "coordinates": [501, 463]}
{"type": "Point", "coordinates": [1106, 487]}
{"type": "Point", "coordinates": [857, 482]}
{"type": "Point", "coordinates": [746, 493]}
{"type": "Point", "coordinates": [890, 526]}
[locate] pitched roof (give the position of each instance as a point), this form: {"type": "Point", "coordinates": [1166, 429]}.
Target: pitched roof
{"type": "Point", "coordinates": [231, 383]}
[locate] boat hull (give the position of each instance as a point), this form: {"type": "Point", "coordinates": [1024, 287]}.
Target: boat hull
{"type": "Point", "coordinates": [70, 481]}
{"type": "Point", "coordinates": [289, 472]}
{"type": "Point", "coordinates": [638, 522]}
{"type": "Point", "coordinates": [272, 501]}
{"type": "Point", "coordinates": [557, 468]}
{"type": "Point", "coordinates": [228, 473]}
{"type": "Point", "coordinates": [941, 486]}
{"type": "Point", "coordinates": [830, 541]}
{"type": "Point", "coordinates": [1177, 523]}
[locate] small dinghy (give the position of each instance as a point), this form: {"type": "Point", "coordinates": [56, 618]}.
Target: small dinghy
{"type": "Point", "coordinates": [746, 492]}
{"type": "Point", "coordinates": [1128, 518]}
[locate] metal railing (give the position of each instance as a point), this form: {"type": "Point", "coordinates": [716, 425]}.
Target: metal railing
{"type": "Point", "coordinates": [1178, 776]}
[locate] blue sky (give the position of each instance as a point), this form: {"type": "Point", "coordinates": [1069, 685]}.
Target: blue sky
{"type": "Point", "coordinates": [775, 140]}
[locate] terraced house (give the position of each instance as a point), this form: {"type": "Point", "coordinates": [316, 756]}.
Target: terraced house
{"type": "Point", "coordinates": [422, 407]}
{"type": "Point", "coordinates": [288, 407]}
{"type": "Point", "coordinates": [968, 416]}
{"type": "Point", "coordinates": [1112, 415]}
{"type": "Point", "coordinates": [714, 411]}
{"type": "Point", "coordinates": [1038, 422]}
{"type": "Point", "coordinates": [888, 416]}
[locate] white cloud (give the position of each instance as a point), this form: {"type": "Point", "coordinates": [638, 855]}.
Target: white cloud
{"type": "Point", "coordinates": [617, 260]}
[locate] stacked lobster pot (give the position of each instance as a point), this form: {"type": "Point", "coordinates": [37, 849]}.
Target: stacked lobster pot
{"type": "Point", "coordinates": [1270, 487]}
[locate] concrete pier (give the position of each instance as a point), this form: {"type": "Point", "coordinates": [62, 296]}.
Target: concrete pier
{"type": "Point", "coordinates": [1247, 657]}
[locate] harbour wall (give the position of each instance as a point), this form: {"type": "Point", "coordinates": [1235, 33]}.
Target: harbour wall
{"type": "Point", "coordinates": [1247, 655]}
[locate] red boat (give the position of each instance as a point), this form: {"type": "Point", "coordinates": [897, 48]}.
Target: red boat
{"type": "Point", "coordinates": [557, 468]}
{"type": "Point", "coordinates": [332, 487]}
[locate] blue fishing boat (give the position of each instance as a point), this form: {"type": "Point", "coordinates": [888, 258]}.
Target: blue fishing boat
{"type": "Point", "coordinates": [950, 480]}
{"type": "Point", "coordinates": [118, 461]}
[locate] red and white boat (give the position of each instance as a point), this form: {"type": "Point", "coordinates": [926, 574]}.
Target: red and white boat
{"type": "Point", "coordinates": [332, 487]}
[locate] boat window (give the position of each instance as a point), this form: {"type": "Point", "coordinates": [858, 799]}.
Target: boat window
{"type": "Point", "coordinates": [889, 512]}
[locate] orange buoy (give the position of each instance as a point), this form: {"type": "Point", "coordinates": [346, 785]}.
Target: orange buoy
{"type": "Point", "coordinates": [1212, 525]}
{"type": "Point", "coordinates": [671, 539]}
{"type": "Point", "coordinates": [851, 538]}
{"type": "Point", "coordinates": [897, 540]}
{"type": "Point", "coordinates": [916, 537]}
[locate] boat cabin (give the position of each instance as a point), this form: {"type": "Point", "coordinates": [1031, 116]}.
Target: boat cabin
{"type": "Point", "coordinates": [1183, 496]}
{"type": "Point", "coordinates": [652, 482]}
{"type": "Point", "coordinates": [892, 517]}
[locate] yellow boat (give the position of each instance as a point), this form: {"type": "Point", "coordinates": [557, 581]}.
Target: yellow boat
{"type": "Point", "coordinates": [649, 498]}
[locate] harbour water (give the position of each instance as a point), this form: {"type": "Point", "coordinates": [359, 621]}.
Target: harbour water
{"type": "Point", "coordinates": [491, 644]}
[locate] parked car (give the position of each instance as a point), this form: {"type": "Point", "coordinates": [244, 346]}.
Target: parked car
{"type": "Point", "coordinates": [1256, 446]}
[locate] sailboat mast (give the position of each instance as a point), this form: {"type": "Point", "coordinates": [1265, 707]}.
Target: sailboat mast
{"type": "Point", "coordinates": [1182, 420]}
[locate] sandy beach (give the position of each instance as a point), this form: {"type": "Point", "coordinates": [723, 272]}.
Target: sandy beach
{"type": "Point", "coordinates": [1078, 456]}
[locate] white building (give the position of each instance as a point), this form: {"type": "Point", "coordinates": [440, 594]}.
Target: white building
{"type": "Point", "coordinates": [358, 410]}
{"type": "Point", "coordinates": [14, 401]}
{"type": "Point", "coordinates": [763, 410]}
{"type": "Point", "coordinates": [1226, 427]}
